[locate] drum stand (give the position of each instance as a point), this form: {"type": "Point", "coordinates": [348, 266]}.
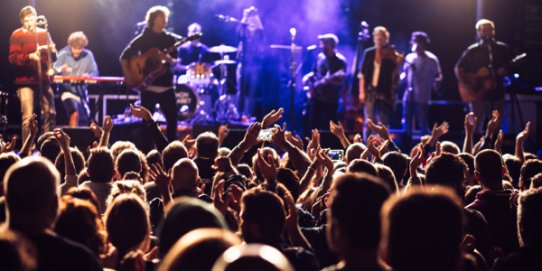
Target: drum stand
{"type": "Point", "coordinates": [224, 108]}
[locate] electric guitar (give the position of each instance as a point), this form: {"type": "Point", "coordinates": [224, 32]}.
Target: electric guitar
{"type": "Point", "coordinates": [145, 68]}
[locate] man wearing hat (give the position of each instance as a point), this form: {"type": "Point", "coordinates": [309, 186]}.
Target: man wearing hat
{"type": "Point", "coordinates": [325, 83]}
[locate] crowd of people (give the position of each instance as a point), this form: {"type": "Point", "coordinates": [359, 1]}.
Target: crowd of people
{"type": "Point", "coordinates": [281, 204]}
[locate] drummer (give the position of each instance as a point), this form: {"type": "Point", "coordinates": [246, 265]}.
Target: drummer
{"type": "Point", "coordinates": [194, 51]}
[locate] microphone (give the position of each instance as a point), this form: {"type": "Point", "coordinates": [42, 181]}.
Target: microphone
{"type": "Point", "coordinates": [41, 20]}
{"type": "Point", "coordinates": [293, 31]}
{"type": "Point", "coordinates": [225, 18]}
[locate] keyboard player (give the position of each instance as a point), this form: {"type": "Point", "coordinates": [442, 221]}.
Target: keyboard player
{"type": "Point", "coordinates": [76, 60]}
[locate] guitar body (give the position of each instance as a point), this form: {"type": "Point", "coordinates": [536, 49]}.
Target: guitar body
{"type": "Point", "coordinates": [475, 86]}
{"type": "Point", "coordinates": [145, 68]}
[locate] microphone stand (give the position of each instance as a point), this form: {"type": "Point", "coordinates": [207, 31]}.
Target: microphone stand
{"type": "Point", "coordinates": [292, 79]}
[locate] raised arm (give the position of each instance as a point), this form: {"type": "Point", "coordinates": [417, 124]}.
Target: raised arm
{"type": "Point", "coordinates": [520, 138]}
{"type": "Point", "coordinates": [470, 125]}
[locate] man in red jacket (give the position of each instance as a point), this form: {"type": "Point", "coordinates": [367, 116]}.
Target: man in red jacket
{"type": "Point", "coordinates": [28, 47]}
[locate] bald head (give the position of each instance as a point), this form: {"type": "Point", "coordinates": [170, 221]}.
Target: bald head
{"type": "Point", "coordinates": [31, 189]}
{"type": "Point", "coordinates": [184, 174]}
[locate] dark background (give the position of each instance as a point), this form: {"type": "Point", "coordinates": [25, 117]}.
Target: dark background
{"type": "Point", "coordinates": [109, 26]}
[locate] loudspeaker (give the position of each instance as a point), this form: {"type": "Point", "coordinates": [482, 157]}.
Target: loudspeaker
{"type": "Point", "coordinates": [81, 137]}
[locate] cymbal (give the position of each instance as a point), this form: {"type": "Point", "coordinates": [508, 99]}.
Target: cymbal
{"type": "Point", "coordinates": [221, 49]}
{"type": "Point", "coordinates": [285, 47]}
{"type": "Point", "coordinates": [225, 62]}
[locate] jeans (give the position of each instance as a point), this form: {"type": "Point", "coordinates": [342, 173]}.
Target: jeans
{"type": "Point", "coordinates": [372, 105]}
{"type": "Point", "coordinates": [415, 112]}
{"type": "Point", "coordinates": [28, 96]}
{"type": "Point", "coordinates": [168, 106]}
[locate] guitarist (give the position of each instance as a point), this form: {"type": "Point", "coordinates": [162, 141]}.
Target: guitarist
{"type": "Point", "coordinates": [160, 91]}
{"type": "Point", "coordinates": [325, 83]}
{"type": "Point", "coordinates": [480, 70]}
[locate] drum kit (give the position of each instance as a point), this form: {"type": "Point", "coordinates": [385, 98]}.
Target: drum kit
{"type": "Point", "coordinates": [203, 97]}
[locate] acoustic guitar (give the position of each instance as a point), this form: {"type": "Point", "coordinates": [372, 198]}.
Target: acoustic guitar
{"type": "Point", "coordinates": [476, 85]}
{"type": "Point", "coordinates": [145, 68]}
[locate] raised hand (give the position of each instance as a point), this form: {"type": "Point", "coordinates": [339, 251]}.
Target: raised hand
{"type": "Point", "coordinates": [272, 117]}
{"type": "Point", "coordinates": [336, 129]}
{"type": "Point", "coordinates": [62, 138]}
{"type": "Point", "coordinates": [160, 178]}
{"type": "Point", "coordinates": [108, 124]}
{"type": "Point", "coordinates": [380, 129]}
{"type": "Point", "coordinates": [493, 123]}
{"type": "Point", "coordinates": [416, 161]}
{"type": "Point", "coordinates": [266, 165]}
{"type": "Point", "coordinates": [251, 136]}
{"type": "Point", "coordinates": [278, 136]}
{"type": "Point", "coordinates": [10, 146]}
{"type": "Point", "coordinates": [292, 217]}
{"type": "Point", "coordinates": [470, 123]}
{"type": "Point", "coordinates": [294, 140]}
{"type": "Point", "coordinates": [498, 142]}
{"type": "Point", "coordinates": [326, 161]}
{"type": "Point", "coordinates": [220, 203]}
{"type": "Point", "coordinates": [438, 131]}
{"type": "Point", "coordinates": [223, 132]}
{"type": "Point", "coordinates": [140, 112]}
{"type": "Point", "coordinates": [525, 133]}
{"type": "Point", "coordinates": [96, 129]}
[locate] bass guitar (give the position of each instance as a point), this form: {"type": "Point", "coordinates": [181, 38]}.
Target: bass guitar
{"type": "Point", "coordinates": [145, 68]}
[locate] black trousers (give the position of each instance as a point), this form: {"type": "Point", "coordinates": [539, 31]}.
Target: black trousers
{"type": "Point", "coordinates": [321, 113]}
{"type": "Point", "coordinates": [168, 106]}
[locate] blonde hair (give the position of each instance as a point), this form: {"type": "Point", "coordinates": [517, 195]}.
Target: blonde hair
{"type": "Point", "coordinates": [153, 12]}
{"type": "Point", "coordinates": [484, 22]}
{"type": "Point", "coordinates": [78, 39]}
{"type": "Point", "coordinates": [382, 30]}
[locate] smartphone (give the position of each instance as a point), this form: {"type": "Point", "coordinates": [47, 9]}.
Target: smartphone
{"type": "Point", "coordinates": [265, 135]}
{"type": "Point", "coordinates": [335, 155]}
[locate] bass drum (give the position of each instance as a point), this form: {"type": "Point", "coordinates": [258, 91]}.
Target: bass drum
{"type": "Point", "coordinates": [187, 102]}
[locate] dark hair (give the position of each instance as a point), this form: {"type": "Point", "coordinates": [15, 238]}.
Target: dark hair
{"type": "Point", "coordinates": [469, 161]}
{"type": "Point", "coordinates": [245, 170]}
{"type": "Point", "coordinates": [354, 151]}
{"type": "Point", "coordinates": [449, 147]}
{"type": "Point", "coordinates": [50, 149]}
{"type": "Point", "coordinates": [79, 221]}
{"type": "Point", "coordinates": [536, 181]}
{"type": "Point", "coordinates": [513, 166]}
{"type": "Point", "coordinates": [84, 193]}
{"type": "Point", "coordinates": [289, 179]}
{"type": "Point", "coordinates": [398, 163]}
{"type": "Point", "coordinates": [6, 161]}
{"type": "Point", "coordinates": [530, 216]}
{"type": "Point", "coordinates": [488, 163]}
{"type": "Point", "coordinates": [361, 166]}
{"type": "Point", "coordinates": [27, 10]}
{"type": "Point", "coordinates": [447, 170]}
{"type": "Point", "coordinates": [386, 174]}
{"type": "Point", "coordinates": [264, 209]}
{"type": "Point", "coordinates": [154, 157]}
{"type": "Point", "coordinates": [528, 170]}
{"type": "Point", "coordinates": [420, 36]}
{"type": "Point", "coordinates": [173, 152]}
{"type": "Point", "coordinates": [127, 222]}
{"type": "Point", "coordinates": [128, 160]}
{"type": "Point", "coordinates": [184, 215]}
{"type": "Point", "coordinates": [355, 204]}
{"type": "Point", "coordinates": [100, 166]}
{"type": "Point", "coordinates": [423, 229]}
{"type": "Point", "coordinates": [78, 161]}
{"type": "Point", "coordinates": [207, 145]}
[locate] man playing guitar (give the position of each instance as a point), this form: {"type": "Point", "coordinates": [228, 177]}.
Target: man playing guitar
{"type": "Point", "coordinates": [160, 89]}
{"type": "Point", "coordinates": [325, 83]}
{"type": "Point", "coordinates": [480, 71]}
